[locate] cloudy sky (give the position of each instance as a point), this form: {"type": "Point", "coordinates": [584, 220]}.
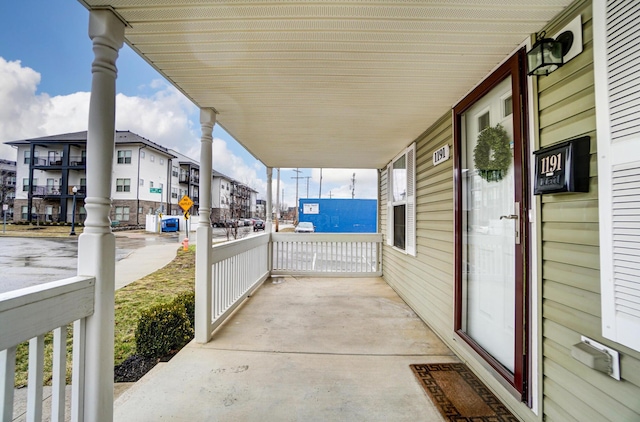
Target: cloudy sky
{"type": "Point", "coordinates": [45, 79]}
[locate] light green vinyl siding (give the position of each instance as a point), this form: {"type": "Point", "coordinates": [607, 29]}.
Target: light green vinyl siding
{"type": "Point", "coordinates": [425, 282]}
{"type": "Point", "coordinates": [570, 260]}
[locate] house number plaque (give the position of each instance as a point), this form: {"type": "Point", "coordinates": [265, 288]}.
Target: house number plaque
{"type": "Point", "coordinates": [563, 167]}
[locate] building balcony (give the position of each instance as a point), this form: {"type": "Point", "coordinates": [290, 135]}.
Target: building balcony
{"type": "Point", "coordinates": [334, 344]}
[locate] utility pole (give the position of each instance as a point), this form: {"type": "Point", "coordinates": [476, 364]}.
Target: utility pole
{"type": "Point", "coordinates": [320, 191]}
{"type": "Point", "coordinates": [353, 186]}
{"type": "Point", "coordinates": [307, 177]}
{"type": "Point", "coordinates": [297, 178]}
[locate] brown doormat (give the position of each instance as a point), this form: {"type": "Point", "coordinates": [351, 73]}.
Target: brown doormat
{"type": "Point", "coordinates": [459, 395]}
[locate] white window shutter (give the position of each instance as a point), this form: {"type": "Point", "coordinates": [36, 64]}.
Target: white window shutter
{"type": "Point", "coordinates": [389, 206]}
{"type": "Point", "coordinates": [410, 239]}
{"type": "Point", "coordinates": [616, 26]}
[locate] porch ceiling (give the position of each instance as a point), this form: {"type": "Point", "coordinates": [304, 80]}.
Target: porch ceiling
{"type": "Point", "coordinates": [327, 83]}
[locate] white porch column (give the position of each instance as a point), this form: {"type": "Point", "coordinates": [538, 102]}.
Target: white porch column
{"type": "Point", "coordinates": [269, 206]}
{"type": "Point", "coordinates": [97, 246]}
{"type": "Point", "coordinates": [203, 233]}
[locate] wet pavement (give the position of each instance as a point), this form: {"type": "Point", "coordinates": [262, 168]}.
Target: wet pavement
{"type": "Point", "coordinates": [27, 262]}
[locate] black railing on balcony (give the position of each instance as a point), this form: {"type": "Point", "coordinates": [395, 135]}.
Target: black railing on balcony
{"type": "Point", "coordinates": [45, 191]}
{"type": "Point", "coordinates": [55, 191]}
{"type": "Point", "coordinates": [184, 178]}
{"type": "Point", "coordinates": [77, 160]}
{"type": "Point", "coordinates": [36, 161]}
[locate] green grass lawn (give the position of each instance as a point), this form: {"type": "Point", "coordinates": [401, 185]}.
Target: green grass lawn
{"type": "Point", "coordinates": [159, 287]}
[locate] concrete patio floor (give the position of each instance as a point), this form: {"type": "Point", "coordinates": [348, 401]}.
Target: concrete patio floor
{"type": "Point", "coordinates": [300, 349]}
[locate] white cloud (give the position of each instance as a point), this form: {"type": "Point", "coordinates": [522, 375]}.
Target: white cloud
{"type": "Point", "coordinates": [20, 107]}
{"type": "Point", "coordinates": [166, 118]}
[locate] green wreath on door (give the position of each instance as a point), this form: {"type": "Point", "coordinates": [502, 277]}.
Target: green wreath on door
{"type": "Point", "coordinates": [492, 154]}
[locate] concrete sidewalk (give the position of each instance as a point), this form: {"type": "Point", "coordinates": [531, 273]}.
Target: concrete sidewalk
{"type": "Point", "coordinates": [144, 261]}
{"type": "Point", "coordinates": [299, 350]}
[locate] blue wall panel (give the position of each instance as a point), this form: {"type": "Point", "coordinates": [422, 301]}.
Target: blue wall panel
{"type": "Point", "coordinates": [340, 215]}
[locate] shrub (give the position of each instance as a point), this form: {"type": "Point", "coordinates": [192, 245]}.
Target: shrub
{"type": "Point", "coordinates": [188, 300]}
{"type": "Point", "coordinates": [162, 329]}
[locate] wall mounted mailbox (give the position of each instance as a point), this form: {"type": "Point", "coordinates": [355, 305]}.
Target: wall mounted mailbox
{"type": "Point", "coordinates": [563, 167]}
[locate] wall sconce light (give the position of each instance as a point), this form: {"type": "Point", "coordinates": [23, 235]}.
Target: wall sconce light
{"type": "Point", "coordinates": [547, 54]}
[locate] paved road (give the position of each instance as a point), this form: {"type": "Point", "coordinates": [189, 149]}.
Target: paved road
{"type": "Point", "coordinates": [29, 261]}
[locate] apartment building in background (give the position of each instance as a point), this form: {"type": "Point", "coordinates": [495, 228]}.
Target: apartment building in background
{"type": "Point", "coordinates": [7, 187]}
{"type": "Point", "coordinates": [231, 199]}
{"type": "Point", "coordinates": [147, 179]}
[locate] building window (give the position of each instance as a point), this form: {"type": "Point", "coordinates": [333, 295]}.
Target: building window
{"type": "Point", "coordinates": [401, 202]}
{"type": "Point", "coordinates": [174, 192]}
{"type": "Point", "coordinates": [150, 183]}
{"type": "Point", "coordinates": [124, 156]}
{"type": "Point", "coordinates": [25, 185]}
{"type": "Point", "coordinates": [25, 213]}
{"type": "Point", "coordinates": [142, 155]}
{"type": "Point", "coordinates": [174, 171]}
{"type": "Point", "coordinates": [161, 161]}
{"type": "Point", "coordinates": [141, 181]}
{"type": "Point", "coordinates": [27, 156]}
{"type": "Point", "coordinates": [123, 185]}
{"type": "Point", "coordinates": [152, 158]}
{"type": "Point", "coordinates": [122, 213]}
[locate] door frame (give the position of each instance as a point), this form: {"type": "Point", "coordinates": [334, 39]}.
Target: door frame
{"type": "Point", "coordinates": [514, 67]}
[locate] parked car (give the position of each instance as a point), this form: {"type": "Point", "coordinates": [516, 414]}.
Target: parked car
{"type": "Point", "coordinates": [258, 225]}
{"type": "Point", "coordinates": [305, 227]}
{"type": "Point", "coordinates": [246, 222]}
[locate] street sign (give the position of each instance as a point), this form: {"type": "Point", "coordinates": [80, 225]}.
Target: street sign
{"type": "Point", "coordinates": [155, 190]}
{"type": "Point", "coordinates": [185, 203]}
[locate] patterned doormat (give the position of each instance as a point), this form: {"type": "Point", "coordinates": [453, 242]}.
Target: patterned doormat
{"type": "Point", "coordinates": [459, 395]}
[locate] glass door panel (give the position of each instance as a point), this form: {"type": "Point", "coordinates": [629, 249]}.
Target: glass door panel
{"type": "Point", "coordinates": [489, 223]}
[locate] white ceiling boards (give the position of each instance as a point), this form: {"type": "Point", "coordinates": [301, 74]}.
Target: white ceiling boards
{"type": "Point", "coordinates": [327, 83]}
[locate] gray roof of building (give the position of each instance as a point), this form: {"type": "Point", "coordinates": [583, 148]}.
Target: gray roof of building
{"type": "Point", "coordinates": [122, 137]}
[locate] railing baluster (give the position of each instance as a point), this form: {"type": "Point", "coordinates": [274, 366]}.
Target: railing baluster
{"type": "Point", "coordinates": [8, 373]}
{"type": "Point", "coordinates": [58, 382]}
{"type": "Point", "coordinates": [35, 378]}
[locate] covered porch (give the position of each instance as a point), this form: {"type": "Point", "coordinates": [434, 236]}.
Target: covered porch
{"type": "Point", "coordinates": [299, 84]}
{"type": "Point", "coordinates": [299, 349]}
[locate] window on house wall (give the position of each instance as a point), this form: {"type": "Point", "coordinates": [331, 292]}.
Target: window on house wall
{"type": "Point", "coordinates": [401, 231]}
{"type": "Point", "coordinates": [174, 192]}
{"type": "Point", "coordinates": [122, 214]}
{"type": "Point", "coordinates": [123, 185]}
{"type": "Point", "coordinates": [142, 154]}
{"type": "Point", "coordinates": [27, 156]}
{"type": "Point", "coordinates": [25, 184]}
{"type": "Point", "coordinates": [152, 158]}
{"type": "Point", "coordinates": [617, 91]}
{"type": "Point", "coordinates": [141, 181]}
{"type": "Point", "coordinates": [161, 161]}
{"type": "Point", "coordinates": [174, 171]}
{"type": "Point", "coordinates": [124, 157]}
{"type": "Point", "coordinates": [150, 183]}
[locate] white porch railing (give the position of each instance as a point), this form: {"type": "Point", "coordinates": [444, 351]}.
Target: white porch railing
{"type": "Point", "coordinates": [239, 267]}
{"type": "Point", "coordinates": [29, 314]}
{"type": "Point", "coordinates": [324, 254]}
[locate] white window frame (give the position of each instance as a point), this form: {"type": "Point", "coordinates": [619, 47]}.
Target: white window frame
{"type": "Point", "coordinates": [123, 213]}
{"type": "Point", "coordinates": [618, 148]}
{"type": "Point", "coordinates": [123, 185]}
{"type": "Point", "coordinates": [124, 156]}
{"type": "Point", "coordinates": [409, 201]}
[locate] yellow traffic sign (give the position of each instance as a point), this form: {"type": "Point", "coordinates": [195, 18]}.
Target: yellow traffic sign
{"type": "Point", "coordinates": [185, 203]}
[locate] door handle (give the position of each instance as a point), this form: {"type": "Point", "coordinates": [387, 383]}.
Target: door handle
{"type": "Point", "coordinates": [516, 217]}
